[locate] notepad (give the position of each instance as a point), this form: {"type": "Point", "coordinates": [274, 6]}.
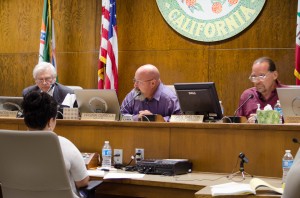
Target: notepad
{"type": "Point", "coordinates": [234, 188]}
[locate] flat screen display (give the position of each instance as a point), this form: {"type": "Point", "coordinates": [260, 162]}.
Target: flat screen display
{"type": "Point", "coordinates": [199, 98]}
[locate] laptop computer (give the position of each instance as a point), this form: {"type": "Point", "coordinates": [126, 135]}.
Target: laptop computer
{"type": "Point", "coordinates": [98, 101]}
{"type": "Point", "coordinates": [289, 98]}
{"type": "Point", "coordinates": [10, 103]}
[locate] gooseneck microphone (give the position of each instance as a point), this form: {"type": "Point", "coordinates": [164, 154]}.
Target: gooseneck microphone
{"type": "Point", "coordinates": [134, 97]}
{"type": "Point", "coordinates": [50, 88]}
{"type": "Point", "coordinates": [249, 97]}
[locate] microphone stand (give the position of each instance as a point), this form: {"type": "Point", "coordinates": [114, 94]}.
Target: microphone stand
{"type": "Point", "coordinates": [125, 105]}
{"type": "Point", "coordinates": [249, 97]}
{"type": "Point", "coordinates": [241, 172]}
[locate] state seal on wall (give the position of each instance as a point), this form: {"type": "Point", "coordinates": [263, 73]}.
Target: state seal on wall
{"type": "Point", "coordinates": [209, 20]}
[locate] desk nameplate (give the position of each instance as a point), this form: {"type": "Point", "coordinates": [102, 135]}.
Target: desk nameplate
{"type": "Point", "coordinates": [292, 119]}
{"type": "Point", "coordinates": [187, 118]}
{"type": "Point", "coordinates": [98, 116]}
{"type": "Point", "coordinates": [8, 114]}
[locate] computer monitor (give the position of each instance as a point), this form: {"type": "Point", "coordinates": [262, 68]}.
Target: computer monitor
{"type": "Point", "coordinates": [199, 98]}
{"type": "Point", "coordinates": [98, 101]}
{"type": "Point", "coordinates": [11, 103]}
{"type": "Point", "coordinates": [289, 98]}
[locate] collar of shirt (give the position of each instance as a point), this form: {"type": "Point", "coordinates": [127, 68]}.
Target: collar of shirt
{"type": "Point", "coordinates": [273, 93]}
{"type": "Point", "coordinates": [158, 92]}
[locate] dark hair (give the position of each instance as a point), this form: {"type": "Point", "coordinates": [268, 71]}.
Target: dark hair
{"type": "Point", "coordinates": [38, 109]}
{"type": "Point", "coordinates": [272, 66]}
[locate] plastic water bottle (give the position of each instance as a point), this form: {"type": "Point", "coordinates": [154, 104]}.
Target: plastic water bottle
{"type": "Point", "coordinates": [222, 108]}
{"type": "Point", "coordinates": [287, 162]}
{"type": "Point", "coordinates": [106, 155]}
{"type": "Point", "coordinates": [278, 108]}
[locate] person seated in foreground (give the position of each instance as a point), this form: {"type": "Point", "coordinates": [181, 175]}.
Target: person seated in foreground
{"type": "Point", "coordinates": [265, 79]}
{"type": "Point", "coordinates": [154, 98]}
{"type": "Point", "coordinates": [40, 110]}
{"type": "Point", "coordinates": [44, 74]}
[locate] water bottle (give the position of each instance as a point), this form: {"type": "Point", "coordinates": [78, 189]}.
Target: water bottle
{"type": "Point", "coordinates": [222, 108]}
{"type": "Point", "coordinates": [278, 108]}
{"type": "Point", "coordinates": [106, 155]}
{"type": "Point", "coordinates": [287, 162]}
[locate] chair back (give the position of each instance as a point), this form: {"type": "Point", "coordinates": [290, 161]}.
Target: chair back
{"type": "Point", "coordinates": [74, 87]}
{"type": "Point", "coordinates": [32, 165]}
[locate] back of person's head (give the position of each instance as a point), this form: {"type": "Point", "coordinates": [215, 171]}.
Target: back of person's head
{"type": "Point", "coordinates": [38, 109]}
{"type": "Point", "coordinates": [272, 66]}
{"type": "Point", "coordinates": [42, 67]}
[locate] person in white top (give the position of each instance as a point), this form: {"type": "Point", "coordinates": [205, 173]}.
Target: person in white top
{"type": "Point", "coordinates": [40, 111]}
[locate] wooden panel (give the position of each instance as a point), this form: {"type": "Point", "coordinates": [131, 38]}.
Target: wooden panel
{"type": "Point", "coordinates": [16, 72]}
{"type": "Point", "coordinates": [20, 25]}
{"type": "Point", "coordinates": [129, 190]}
{"type": "Point", "coordinates": [78, 69]}
{"type": "Point", "coordinates": [91, 139]}
{"type": "Point", "coordinates": [217, 150]}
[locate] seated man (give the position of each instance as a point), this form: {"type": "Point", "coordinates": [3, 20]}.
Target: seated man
{"type": "Point", "coordinates": [150, 96]}
{"type": "Point", "coordinates": [264, 77]}
{"type": "Point", "coordinates": [40, 112]}
{"type": "Point", "coordinates": [44, 75]}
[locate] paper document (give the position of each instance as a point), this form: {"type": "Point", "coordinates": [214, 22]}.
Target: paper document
{"type": "Point", "coordinates": [234, 188]}
{"type": "Point", "coordinates": [123, 176]}
{"type": "Point", "coordinates": [69, 100]}
{"type": "Point", "coordinates": [96, 173]}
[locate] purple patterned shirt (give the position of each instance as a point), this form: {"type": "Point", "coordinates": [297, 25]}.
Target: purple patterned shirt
{"type": "Point", "coordinates": [164, 103]}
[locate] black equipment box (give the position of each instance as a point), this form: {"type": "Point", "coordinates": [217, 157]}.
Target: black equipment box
{"type": "Point", "coordinates": [164, 166]}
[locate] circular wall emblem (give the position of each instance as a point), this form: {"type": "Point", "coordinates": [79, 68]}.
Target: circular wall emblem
{"type": "Point", "coordinates": [209, 20]}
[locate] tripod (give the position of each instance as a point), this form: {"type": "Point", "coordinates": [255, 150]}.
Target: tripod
{"type": "Point", "coordinates": [241, 171]}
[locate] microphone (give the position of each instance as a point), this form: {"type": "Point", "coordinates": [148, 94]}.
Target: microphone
{"type": "Point", "coordinates": [249, 97]}
{"type": "Point", "coordinates": [137, 94]}
{"type": "Point", "coordinates": [50, 88]}
{"type": "Point", "coordinates": [295, 140]}
{"type": "Point", "coordinates": [243, 157]}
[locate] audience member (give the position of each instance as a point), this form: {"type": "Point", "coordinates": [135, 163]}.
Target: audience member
{"type": "Point", "coordinates": [40, 111]}
{"type": "Point", "coordinates": [265, 79]}
{"type": "Point", "coordinates": [154, 98]}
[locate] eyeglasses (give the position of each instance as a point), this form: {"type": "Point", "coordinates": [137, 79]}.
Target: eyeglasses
{"type": "Point", "coordinates": [42, 80]}
{"type": "Point", "coordinates": [140, 81]}
{"type": "Point", "coordinates": [261, 77]}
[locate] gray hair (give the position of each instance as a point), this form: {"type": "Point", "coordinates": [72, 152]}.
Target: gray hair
{"type": "Point", "coordinates": [43, 66]}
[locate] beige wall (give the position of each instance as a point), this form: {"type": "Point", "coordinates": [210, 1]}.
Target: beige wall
{"type": "Point", "coordinates": [144, 37]}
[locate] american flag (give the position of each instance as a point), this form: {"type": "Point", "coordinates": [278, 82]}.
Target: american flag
{"type": "Point", "coordinates": [108, 53]}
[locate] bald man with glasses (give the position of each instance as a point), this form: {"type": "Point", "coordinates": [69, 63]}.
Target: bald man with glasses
{"type": "Point", "coordinates": [265, 79]}
{"type": "Point", "coordinates": [45, 75]}
{"type": "Point", "coordinates": [149, 96]}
